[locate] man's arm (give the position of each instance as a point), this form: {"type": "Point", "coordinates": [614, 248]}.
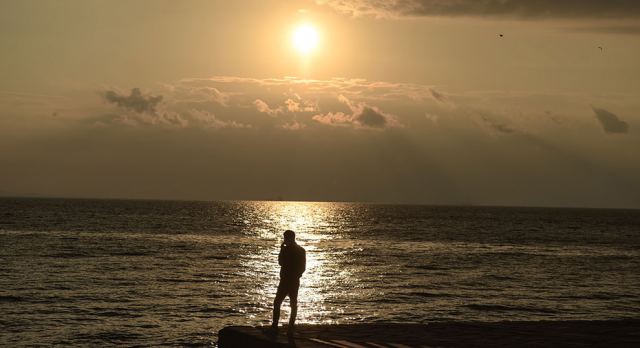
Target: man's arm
{"type": "Point", "coordinates": [280, 255]}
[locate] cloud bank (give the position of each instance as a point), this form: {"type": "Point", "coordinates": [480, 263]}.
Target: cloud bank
{"type": "Point", "coordinates": [335, 139]}
{"type": "Point", "coordinates": [530, 9]}
{"type": "Point", "coordinates": [149, 110]}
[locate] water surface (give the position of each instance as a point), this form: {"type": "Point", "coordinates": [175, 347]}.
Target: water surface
{"type": "Point", "coordinates": [86, 272]}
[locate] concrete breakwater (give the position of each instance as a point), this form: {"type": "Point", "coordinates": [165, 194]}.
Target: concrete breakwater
{"type": "Point", "coordinates": [608, 333]}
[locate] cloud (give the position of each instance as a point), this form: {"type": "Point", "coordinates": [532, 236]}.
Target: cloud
{"type": "Point", "coordinates": [610, 122]}
{"type": "Point", "coordinates": [140, 110]}
{"type": "Point", "coordinates": [362, 116]}
{"type": "Point", "coordinates": [263, 107]}
{"type": "Point", "coordinates": [170, 119]}
{"type": "Point", "coordinates": [432, 117]}
{"type": "Point", "coordinates": [293, 126]}
{"type": "Point", "coordinates": [498, 126]}
{"type": "Point", "coordinates": [297, 104]}
{"type": "Point", "coordinates": [209, 120]}
{"type": "Point", "coordinates": [189, 118]}
{"type": "Point", "coordinates": [530, 9]}
{"type": "Point", "coordinates": [308, 91]}
{"type": "Point", "coordinates": [291, 103]}
{"type": "Point", "coordinates": [307, 105]}
{"type": "Point", "coordinates": [184, 93]}
{"type": "Point", "coordinates": [135, 101]}
{"type": "Point", "coordinates": [149, 110]}
{"type": "Point", "coordinates": [437, 95]}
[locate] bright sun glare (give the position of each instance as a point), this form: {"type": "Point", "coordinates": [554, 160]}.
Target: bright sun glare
{"type": "Point", "coordinates": [305, 38]}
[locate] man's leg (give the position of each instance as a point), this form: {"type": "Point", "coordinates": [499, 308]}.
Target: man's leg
{"type": "Point", "coordinates": [277, 303]}
{"type": "Point", "coordinates": [293, 298]}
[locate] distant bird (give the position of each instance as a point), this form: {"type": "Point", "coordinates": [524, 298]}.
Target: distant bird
{"type": "Point", "coordinates": [601, 48]}
{"type": "Point", "coordinates": [501, 35]}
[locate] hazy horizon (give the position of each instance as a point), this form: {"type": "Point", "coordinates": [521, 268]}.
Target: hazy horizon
{"type": "Point", "coordinates": [4, 195]}
{"type": "Point", "coordinates": [491, 103]}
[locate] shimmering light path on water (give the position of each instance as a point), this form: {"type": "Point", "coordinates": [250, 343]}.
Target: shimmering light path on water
{"type": "Point", "coordinates": [82, 272]}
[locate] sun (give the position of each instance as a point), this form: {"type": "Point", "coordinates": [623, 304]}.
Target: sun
{"type": "Point", "coordinates": [305, 39]}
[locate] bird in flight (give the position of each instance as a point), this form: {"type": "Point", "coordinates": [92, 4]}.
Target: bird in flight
{"type": "Point", "coordinates": [601, 48]}
{"type": "Point", "coordinates": [501, 35]}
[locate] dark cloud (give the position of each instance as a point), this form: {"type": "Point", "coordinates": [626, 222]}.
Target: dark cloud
{"type": "Point", "coordinates": [491, 8]}
{"type": "Point", "coordinates": [362, 116]}
{"type": "Point", "coordinates": [136, 101]}
{"type": "Point", "coordinates": [371, 118]}
{"type": "Point", "coordinates": [503, 128]}
{"type": "Point", "coordinates": [610, 122]}
{"type": "Point", "coordinates": [437, 95]}
{"type": "Point", "coordinates": [498, 126]}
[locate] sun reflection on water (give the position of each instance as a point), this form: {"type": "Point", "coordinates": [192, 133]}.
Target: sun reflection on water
{"type": "Point", "coordinates": [316, 231]}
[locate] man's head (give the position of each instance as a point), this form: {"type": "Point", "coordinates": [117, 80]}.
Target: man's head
{"type": "Point", "coordinates": [289, 237]}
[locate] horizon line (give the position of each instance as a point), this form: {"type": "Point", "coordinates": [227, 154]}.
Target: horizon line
{"type": "Point", "coordinates": [282, 200]}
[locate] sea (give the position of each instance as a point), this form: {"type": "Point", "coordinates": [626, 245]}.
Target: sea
{"type": "Point", "coordinates": [78, 272]}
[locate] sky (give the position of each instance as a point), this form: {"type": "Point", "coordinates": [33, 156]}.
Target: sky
{"type": "Point", "coordinates": [483, 102]}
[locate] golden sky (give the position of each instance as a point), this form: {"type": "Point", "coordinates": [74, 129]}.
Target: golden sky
{"type": "Point", "coordinates": [506, 102]}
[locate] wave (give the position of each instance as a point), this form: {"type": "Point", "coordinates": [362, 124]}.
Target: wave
{"type": "Point", "coordinates": [119, 313]}
{"type": "Point", "coordinates": [215, 310]}
{"type": "Point", "coordinates": [10, 298]}
{"type": "Point", "coordinates": [131, 253]}
{"type": "Point", "coordinates": [429, 294]}
{"type": "Point", "coordinates": [108, 336]}
{"type": "Point", "coordinates": [504, 308]}
{"type": "Point", "coordinates": [69, 255]}
{"type": "Point", "coordinates": [186, 280]}
{"type": "Point", "coordinates": [429, 267]}
{"type": "Point", "coordinates": [216, 257]}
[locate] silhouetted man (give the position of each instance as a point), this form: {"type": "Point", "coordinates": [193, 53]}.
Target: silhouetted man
{"type": "Point", "coordinates": [292, 260]}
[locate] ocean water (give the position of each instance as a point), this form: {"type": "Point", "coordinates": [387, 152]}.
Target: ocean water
{"type": "Point", "coordinates": [101, 272]}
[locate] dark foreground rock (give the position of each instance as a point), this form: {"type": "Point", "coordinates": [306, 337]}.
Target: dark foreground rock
{"type": "Point", "coordinates": [611, 333]}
